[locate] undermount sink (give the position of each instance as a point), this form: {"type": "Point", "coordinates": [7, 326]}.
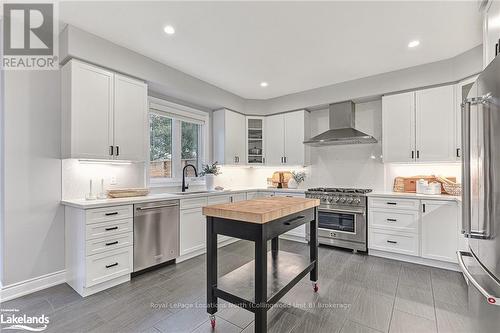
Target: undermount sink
{"type": "Point", "coordinates": [191, 192]}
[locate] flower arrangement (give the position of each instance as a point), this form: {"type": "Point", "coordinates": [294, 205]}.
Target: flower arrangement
{"type": "Point", "coordinates": [210, 169]}
{"type": "Point", "coordinates": [299, 176]}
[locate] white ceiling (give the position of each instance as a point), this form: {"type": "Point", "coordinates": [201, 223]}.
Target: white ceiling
{"type": "Point", "coordinates": [294, 46]}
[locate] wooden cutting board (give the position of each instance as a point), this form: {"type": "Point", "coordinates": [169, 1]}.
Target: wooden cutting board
{"type": "Point", "coordinates": [260, 210]}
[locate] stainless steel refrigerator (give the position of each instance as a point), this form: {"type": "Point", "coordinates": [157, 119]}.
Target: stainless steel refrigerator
{"type": "Point", "coordinates": [481, 199]}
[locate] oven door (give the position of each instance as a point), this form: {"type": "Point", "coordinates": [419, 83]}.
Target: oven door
{"type": "Point", "coordinates": [342, 224]}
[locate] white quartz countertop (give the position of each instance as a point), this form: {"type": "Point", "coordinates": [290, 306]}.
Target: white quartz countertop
{"type": "Point", "coordinates": [86, 204]}
{"type": "Point", "coordinates": [385, 194]}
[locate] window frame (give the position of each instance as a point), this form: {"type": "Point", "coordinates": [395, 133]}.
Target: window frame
{"type": "Point", "coordinates": [178, 113]}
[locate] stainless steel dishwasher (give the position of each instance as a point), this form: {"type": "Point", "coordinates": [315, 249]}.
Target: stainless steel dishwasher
{"type": "Point", "coordinates": [156, 233]}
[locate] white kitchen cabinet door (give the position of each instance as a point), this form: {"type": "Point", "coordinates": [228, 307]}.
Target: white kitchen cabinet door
{"type": "Point", "coordinates": [491, 31]}
{"type": "Point", "coordinates": [398, 127]}
{"type": "Point", "coordinates": [229, 129]}
{"type": "Point", "coordinates": [130, 118]}
{"type": "Point", "coordinates": [252, 195]}
{"type": "Point", "coordinates": [296, 123]}
{"type": "Point", "coordinates": [87, 102]}
{"type": "Point", "coordinates": [275, 139]}
{"type": "Point", "coordinates": [435, 120]}
{"type": "Point", "coordinates": [439, 230]}
{"type": "Point", "coordinates": [192, 230]}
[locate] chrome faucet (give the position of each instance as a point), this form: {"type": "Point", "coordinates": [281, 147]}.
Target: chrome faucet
{"type": "Point", "coordinates": [184, 186]}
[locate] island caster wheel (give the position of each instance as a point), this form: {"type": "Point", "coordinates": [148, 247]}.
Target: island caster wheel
{"type": "Point", "coordinates": [315, 287]}
{"type": "Point", "coordinates": [212, 321]}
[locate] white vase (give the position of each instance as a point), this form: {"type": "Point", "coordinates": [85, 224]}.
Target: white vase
{"type": "Point", "coordinates": [209, 182]}
{"type": "Point", "coordinates": [292, 183]}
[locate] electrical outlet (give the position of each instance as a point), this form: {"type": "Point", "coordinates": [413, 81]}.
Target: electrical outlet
{"type": "Point", "coordinates": [113, 180]}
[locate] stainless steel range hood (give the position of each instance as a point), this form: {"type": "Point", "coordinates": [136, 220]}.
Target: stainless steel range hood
{"type": "Point", "coordinates": [342, 131]}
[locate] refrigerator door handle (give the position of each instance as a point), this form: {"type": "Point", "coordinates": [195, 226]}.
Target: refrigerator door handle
{"type": "Point", "coordinates": [466, 206]}
{"type": "Point", "coordinates": [491, 299]}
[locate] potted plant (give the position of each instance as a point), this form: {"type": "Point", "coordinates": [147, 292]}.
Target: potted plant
{"type": "Point", "coordinates": [210, 171]}
{"type": "Point", "coordinates": [297, 178]}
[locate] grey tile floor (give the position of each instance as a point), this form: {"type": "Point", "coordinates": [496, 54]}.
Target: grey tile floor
{"type": "Point", "coordinates": [358, 293]}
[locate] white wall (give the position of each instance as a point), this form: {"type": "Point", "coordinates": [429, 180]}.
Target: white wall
{"type": "Point", "coordinates": [76, 176]}
{"type": "Point", "coordinates": [33, 218]}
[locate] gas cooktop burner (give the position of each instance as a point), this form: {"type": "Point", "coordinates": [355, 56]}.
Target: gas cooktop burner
{"type": "Point", "coordinates": [339, 190]}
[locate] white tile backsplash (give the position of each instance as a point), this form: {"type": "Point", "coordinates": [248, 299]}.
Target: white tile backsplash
{"type": "Point", "coordinates": [76, 175]}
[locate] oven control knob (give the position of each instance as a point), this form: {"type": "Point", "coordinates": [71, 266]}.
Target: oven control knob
{"type": "Point", "coordinates": [342, 199]}
{"type": "Point", "coordinates": [349, 200]}
{"type": "Point", "coordinates": [357, 201]}
{"type": "Point", "coordinates": [336, 199]}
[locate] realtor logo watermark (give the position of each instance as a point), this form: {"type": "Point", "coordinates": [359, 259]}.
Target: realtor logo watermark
{"type": "Point", "coordinates": [30, 35]}
{"type": "Point", "coordinates": [12, 319]}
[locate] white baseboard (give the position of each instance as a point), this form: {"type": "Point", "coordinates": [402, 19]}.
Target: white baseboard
{"type": "Point", "coordinates": [29, 286]}
{"type": "Point", "coordinates": [415, 260]}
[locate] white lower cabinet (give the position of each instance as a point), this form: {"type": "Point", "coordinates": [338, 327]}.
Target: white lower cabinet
{"type": "Point", "coordinates": [192, 230]}
{"type": "Point", "coordinates": [425, 230]}
{"type": "Point", "coordinates": [99, 247]}
{"type": "Point", "coordinates": [192, 226]}
{"type": "Point", "coordinates": [439, 230]}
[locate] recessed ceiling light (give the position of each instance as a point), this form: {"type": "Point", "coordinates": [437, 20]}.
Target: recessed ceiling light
{"type": "Point", "coordinates": [413, 43]}
{"type": "Point", "coordinates": [264, 84]}
{"type": "Point", "coordinates": [169, 30]}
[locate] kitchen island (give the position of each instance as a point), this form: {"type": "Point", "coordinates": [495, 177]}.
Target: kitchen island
{"type": "Point", "coordinates": [259, 284]}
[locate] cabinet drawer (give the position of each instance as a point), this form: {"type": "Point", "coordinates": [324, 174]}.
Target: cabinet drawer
{"type": "Point", "coordinates": [108, 265]}
{"type": "Point", "coordinates": [289, 194]}
{"type": "Point", "coordinates": [219, 199]}
{"type": "Point", "coordinates": [393, 203]}
{"type": "Point", "coordinates": [394, 220]}
{"type": "Point", "coordinates": [193, 203]}
{"type": "Point", "coordinates": [109, 214]}
{"type": "Point", "coordinates": [105, 229]}
{"type": "Point", "coordinates": [393, 242]}
{"type": "Point", "coordinates": [100, 245]}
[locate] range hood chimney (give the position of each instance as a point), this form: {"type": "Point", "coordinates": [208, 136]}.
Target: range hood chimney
{"type": "Point", "coordinates": [342, 131]}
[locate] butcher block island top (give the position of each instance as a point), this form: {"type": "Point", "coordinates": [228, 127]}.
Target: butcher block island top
{"type": "Point", "coordinates": [261, 210]}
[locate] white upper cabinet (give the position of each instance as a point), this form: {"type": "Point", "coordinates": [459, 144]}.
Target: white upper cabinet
{"type": "Point", "coordinates": [275, 139]}
{"type": "Point", "coordinates": [255, 138]}
{"type": "Point", "coordinates": [420, 126]}
{"type": "Point", "coordinates": [104, 114]}
{"type": "Point", "coordinates": [285, 134]}
{"type": "Point", "coordinates": [435, 134]}
{"type": "Point", "coordinates": [296, 131]}
{"type": "Point", "coordinates": [398, 127]}
{"type": "Point", "coordinates": [87, 101]}
{"type": "Point", "coordinates": [130, 113]}
{"type": "Point", "coordinates": [229, 137]}
{"type": "Point", "coordinates": [439, 230]}
{"type": "Point", "coordinates": [491, 31]}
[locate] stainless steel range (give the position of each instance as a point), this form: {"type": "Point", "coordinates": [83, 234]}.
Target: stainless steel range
{"type": "Point", "coordinates": [341, 216]}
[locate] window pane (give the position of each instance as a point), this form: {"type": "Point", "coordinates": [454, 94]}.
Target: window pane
{"type": "Point", "coordinates": [189, 146]}
{"type": "Point", "coordinates": [160, 129]}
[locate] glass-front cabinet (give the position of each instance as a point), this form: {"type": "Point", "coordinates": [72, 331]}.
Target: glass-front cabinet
{"type": "Point", "coordinates": [255, 140]}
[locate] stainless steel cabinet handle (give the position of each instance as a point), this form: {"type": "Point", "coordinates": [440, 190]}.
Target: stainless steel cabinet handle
{"type": "Point", "coordinates": [494, 300]}
{"type": "Point", "coordinates": [156, 207]}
